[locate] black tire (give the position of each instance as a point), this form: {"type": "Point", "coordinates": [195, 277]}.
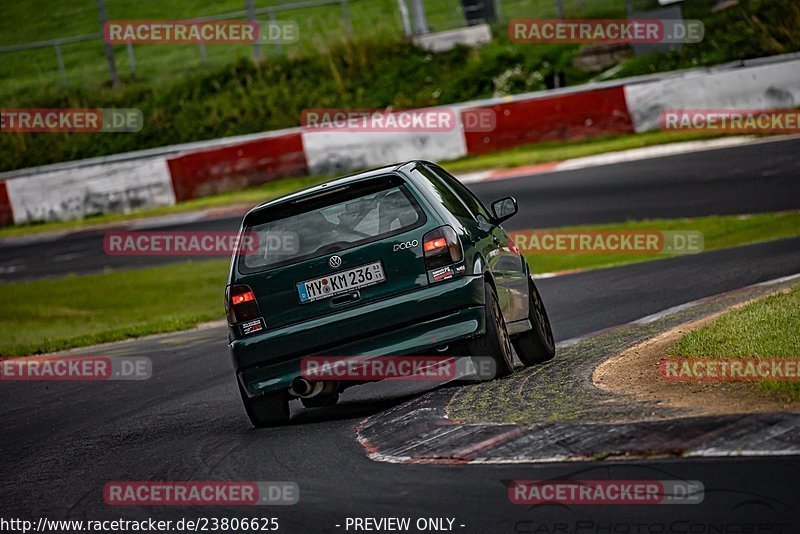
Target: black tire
{"type": "Point", "coordinates": [267, 409]}
{"type": "Point", "coordinates": [495, 343]}
{"type": "Point", "coordinates": [321, 400]}
{"type": "Point", "coordinates": [537, 344]}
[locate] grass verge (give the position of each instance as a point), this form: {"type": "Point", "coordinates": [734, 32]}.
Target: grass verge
{"type": "Point", "coordinates": [766, 328]}
{"type": "Point", "coordinates": [548, 151]}
{"type": "Point", "coordinates": [319, 27]}
{"type": "Point", "coordinates": [718, 232]}
{"type": "Point", "coordinates": [523, 155]}
{"type": "Point", "coordinates": [558, 391]}
{"type": "Point", "coordinates": [73, 311]}
{"type": "Point", "coordinates": [76, 311]}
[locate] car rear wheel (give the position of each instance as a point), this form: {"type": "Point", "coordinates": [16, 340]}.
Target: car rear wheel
{"type": "Point", "coordinates": [266, 409]}
{"type": "Point", "coordinates": [537, 344]}
{"type": "Point", "coordinates": [495, 343]}
{"type": "Point", "coordinates": [321, 400]}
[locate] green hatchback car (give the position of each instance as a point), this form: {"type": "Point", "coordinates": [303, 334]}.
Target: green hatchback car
{"type": "Point", "coordinates": [394, 262]}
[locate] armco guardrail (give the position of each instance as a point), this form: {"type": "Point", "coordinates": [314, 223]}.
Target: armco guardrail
{"type": "Point", "coordinates": [176, 173]}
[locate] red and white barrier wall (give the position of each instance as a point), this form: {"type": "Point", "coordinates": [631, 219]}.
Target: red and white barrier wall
{"type": "Point", "coordinates": [80, 191]}
{"type": "Point", "coordinates": [227, 168]}
{"type": "Point", "coordinates": [331, 152]}
{"type": "Point", "coordinates": [77, 190]}
{"type": "Point", "coordinates": [6, 213]}
{"type": "Point", "coordinates": [771, 86]}
{"type": "Point", "coordinates": [567, 116]}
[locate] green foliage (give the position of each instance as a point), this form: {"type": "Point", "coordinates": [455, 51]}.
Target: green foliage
{"type": "Point", "coordinates": [754, 28]}
{"type": "Point", "coordinates": [719, 231]}
{"type": "Point", "coordinates": [243, 97]}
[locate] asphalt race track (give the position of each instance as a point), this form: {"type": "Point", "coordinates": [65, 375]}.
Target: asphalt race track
{"type": "Point", "coordinates": [61, 442]}
{"type": "Point", "coordinates": [754, 178]}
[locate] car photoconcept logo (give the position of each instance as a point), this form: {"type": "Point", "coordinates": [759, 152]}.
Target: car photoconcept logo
{"type": "Point", "coordinates": [335, 262]}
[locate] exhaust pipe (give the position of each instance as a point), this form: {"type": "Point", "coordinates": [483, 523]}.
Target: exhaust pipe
{"type": "Point", "coordinates": [305, 389]}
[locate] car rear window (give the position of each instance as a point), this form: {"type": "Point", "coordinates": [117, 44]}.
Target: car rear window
{"type": "Point", "coordinates": [328, 222]}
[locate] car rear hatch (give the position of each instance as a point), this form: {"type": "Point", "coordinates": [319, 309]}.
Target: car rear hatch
{"type": "Point", "coordinates": [333, 249]}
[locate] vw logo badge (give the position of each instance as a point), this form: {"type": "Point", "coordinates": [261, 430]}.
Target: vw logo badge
{"type": "Point", "coordinates": [335, 262]}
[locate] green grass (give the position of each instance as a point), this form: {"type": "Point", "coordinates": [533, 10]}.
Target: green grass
{"type": "Point", "coordinates": [320, 27]}
{"type": "Point", "coordinates": [523, 155]}
{"type": "Point", "coordinates": [48, 315]}
{"type": "Point", "coordinates": [766, 328]}
{"type": "Point", "coordinates": [548, 151]}
{"type": "Point", "coordinates": [74, 311]}
{"type": "Point", "coordinates": [85, 63]}
{"type": "Point", "coordinates": [183, 99]}
{"type": "Point", "coordinates": [718, 232]}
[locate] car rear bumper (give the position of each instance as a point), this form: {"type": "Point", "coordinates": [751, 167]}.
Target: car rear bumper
{"type": "Point", "coordinates": [411, 323]}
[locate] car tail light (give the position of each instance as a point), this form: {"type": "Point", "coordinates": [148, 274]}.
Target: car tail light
{"type": "Point", "coordinates": [441, 248]}
{"type": "Point", "coordinates": [241, 305]}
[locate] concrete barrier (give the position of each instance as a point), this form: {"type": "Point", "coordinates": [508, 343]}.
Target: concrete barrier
{"type": "Point", "coordinates": [216, 170]}
{"type": "Point", "coordinates": [443, 41]}
{"type": "Point", "coordinates": [330, 152]}
{"type": "Point", "coordinates": [165, 175]}
{"type": "Point", "coordinates": [569, 116]}
{"type": "Point", "coordinates": [6, 213]}
{"type": "Point", "coordinates": [771, 86]}
{"type": "Point", "coordinates": [80, 192]}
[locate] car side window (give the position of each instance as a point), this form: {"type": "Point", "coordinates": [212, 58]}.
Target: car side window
{"type": "Point", "coordinates": [446, 196]}
{"type": "Point", "coordinates": [468, 197]}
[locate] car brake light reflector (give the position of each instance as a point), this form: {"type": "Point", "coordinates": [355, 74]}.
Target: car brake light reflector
{"type": "Point", "coordinates": [244, 297]}
{"type": "Point", "coordinates": [439, 242]}
{"type": "Point", "coordinates": [441, 247]}
{"type": "Point", "coordinates": [241, 304]}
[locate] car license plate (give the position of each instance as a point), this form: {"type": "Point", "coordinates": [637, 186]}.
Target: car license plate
{"type": "Point", "coordinates": [333, 284]}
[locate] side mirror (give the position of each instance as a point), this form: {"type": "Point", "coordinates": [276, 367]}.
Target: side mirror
{"type": "Point", "coordinates": [504, 208]}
